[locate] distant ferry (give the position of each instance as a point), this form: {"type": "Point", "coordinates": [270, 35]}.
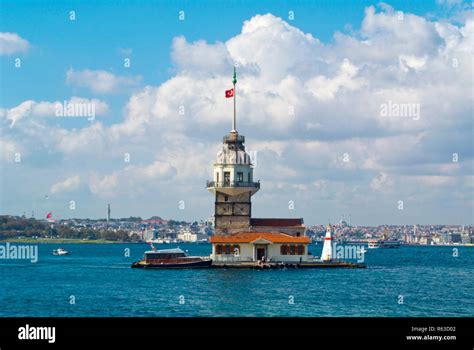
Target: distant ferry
{"type": "Point", "coordinates": [171, 259]}
{"type": "Point", "coordinates": [376, 243]}
{"type": "Point", "coordinates": [385, 242]}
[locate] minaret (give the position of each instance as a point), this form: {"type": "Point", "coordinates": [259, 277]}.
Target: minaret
{"type": "Point", "coordinates": [233, 183]}
{"type": "Point", "coordinates": [108, 214]}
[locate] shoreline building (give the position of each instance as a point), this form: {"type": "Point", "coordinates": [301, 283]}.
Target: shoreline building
{"type": "Point", "coordinates": [238, 236]}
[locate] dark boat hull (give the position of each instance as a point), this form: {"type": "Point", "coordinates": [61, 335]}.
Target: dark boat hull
{"type": "Point", "coordinates": [181, 265]}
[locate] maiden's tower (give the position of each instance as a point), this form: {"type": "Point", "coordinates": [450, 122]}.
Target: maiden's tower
{"type": "Point", "coordinates": [238, 236]}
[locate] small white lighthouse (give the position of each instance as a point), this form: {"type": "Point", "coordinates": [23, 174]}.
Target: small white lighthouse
{"type": "Point", "coordinates": [327, 247]}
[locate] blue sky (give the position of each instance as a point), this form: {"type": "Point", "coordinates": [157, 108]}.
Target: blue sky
{"type": "Point", "coordinates": [320, 65]}
{"type": "Point", "coordinates": [100, 30]}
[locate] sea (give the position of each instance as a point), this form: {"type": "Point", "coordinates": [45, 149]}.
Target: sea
{"type": "Point", "coordinates": [96, 280]}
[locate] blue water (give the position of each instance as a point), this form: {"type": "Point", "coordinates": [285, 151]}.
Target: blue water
{"type": "Point", "coordinates": [431, 281]}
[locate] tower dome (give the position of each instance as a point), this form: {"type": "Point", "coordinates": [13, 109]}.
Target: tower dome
{"type": "Point", "coordinates": [233, 169]}
{"type": "Point", "coordinates": [233, 153]}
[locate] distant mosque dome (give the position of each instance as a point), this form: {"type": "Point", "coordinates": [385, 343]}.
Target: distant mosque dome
{"type": "Point", "coordinates": [342, 223]}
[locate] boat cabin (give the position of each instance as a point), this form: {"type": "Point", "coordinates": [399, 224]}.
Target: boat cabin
{"type": "Point", "coordinates": [165, 254]}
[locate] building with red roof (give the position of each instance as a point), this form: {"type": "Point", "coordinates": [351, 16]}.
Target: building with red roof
{"type": "Point", "coordinates": [260, 246]}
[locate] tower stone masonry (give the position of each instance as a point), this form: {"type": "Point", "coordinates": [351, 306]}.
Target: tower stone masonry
{"type": "Point", "coordinates": [233, 186]}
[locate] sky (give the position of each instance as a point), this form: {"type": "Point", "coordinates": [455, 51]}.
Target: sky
{"type": "Point", "coordinates": [357, 109]}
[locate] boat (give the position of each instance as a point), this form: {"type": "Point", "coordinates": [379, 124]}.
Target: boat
{"type": "Point", "coordinates": [60, 251]}
{"type": "Point", "coordinates": [171, 259]}
{"type": "Point", "coordinates": [385, 242]}
{"type": "Point", "coordinates": [389, 244]}
{"type": "Point", "coordinates": [373, 244]}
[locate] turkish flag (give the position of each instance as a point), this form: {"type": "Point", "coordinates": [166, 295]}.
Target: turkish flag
{"type": "Point", "coordinates": [229, 93]}
{"type": "Point", "coordinates": [49, 216]}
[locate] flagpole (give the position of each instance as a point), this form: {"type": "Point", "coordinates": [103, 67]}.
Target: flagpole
{"type": "Point", "coordinates": [234, 122]}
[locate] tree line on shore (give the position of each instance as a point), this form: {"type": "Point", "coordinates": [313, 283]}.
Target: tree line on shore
{"type": "Point", "coordinates": [14, 227]}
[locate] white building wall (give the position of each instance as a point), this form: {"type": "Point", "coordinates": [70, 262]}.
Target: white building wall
{"type": "Point", "coordinates": [274, 253]}
{"type": "Point", "coordinates": [247, 253]}
{"type": "Point", "coordinates": [233, 169]}
{"type": "Point", "coordinates": [187, 236]}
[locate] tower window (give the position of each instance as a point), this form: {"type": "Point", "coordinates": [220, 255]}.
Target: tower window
{"type": "Point", "coordinates": [217, 177]}
{"type": "Point", "coordinates": [226, 198]}
{"type": "Point", "coordinates": [240, 177]}
{"type": "Point", "coordinates": [226, 177]}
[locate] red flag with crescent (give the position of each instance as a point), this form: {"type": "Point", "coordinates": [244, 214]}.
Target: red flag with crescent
{"type": "Point", "coordinates": [229, 93]}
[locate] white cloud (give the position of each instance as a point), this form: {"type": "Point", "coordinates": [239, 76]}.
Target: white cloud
{"type": "Point", "coordinates": [326, 88]}
{"type": "Point", "coordinates": [11, 43]}
{"type": "Point", "coordinates": [136, 178]}
{"type": "Point", "coordinates": [435, 180]}
{"type": "Point", "coordinates": [158, 170]}
{"type": "Point", "coordinates": [204, 58]}
{"type": "Point", "coordinates": [273, 49]}
{"type": "Point", "coordinates": [381, 182]}
{"type": "Point", "coordinates": [8, 148]}
{"type": "Point", "coordinates": [100, 81]}
{"type": "Point", "coordinates": [32, 108]}
{"type": "Point", "coordinates": [104, 185]}
{"type": "Point", "coordinates": [68, 184]}
{"type": "Point", "coordinates": [413, 62]}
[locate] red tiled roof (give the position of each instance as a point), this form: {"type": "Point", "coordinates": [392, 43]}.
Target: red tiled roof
{"type": "Point", "coordinates": [276, 222]}
{"type": "Point", "coordinates": [247, 237]}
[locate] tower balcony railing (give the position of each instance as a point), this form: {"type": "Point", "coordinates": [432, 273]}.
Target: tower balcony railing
{"type": "Point", "coordinates": [233, 138]}
{"type": "Point", "coordinates": [219, 184]}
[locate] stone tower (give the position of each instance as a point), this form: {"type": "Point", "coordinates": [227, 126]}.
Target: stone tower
{"type": "Point", "coordinates": [232, 184]}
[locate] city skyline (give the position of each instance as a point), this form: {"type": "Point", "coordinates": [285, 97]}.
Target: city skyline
{"type": "Point", "coordinates": [365, 112]}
